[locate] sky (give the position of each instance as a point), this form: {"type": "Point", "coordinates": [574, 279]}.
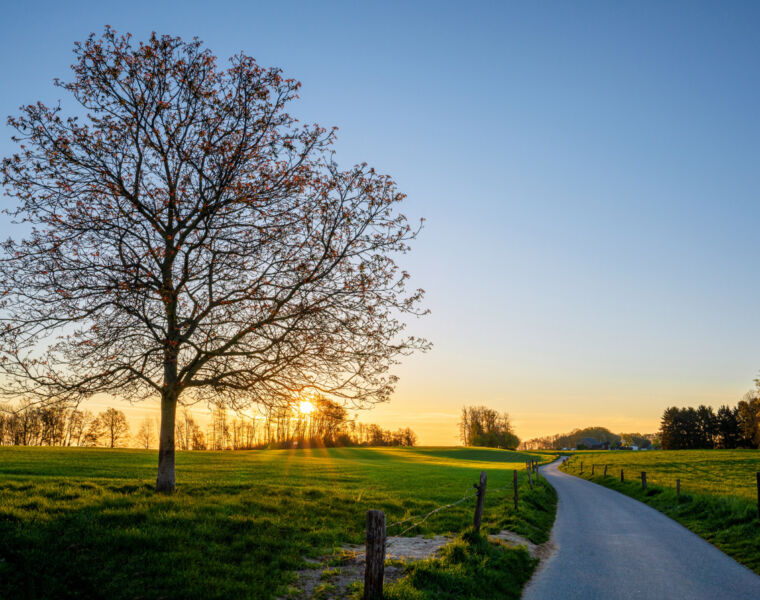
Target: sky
{"type": "Point", "coordinates": [588, 173]}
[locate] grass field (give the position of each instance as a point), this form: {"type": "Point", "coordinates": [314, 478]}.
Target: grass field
{"type": "Point", "coordinates": [84, 523]}
{"type": "Point", "coordinates": [718, 491]}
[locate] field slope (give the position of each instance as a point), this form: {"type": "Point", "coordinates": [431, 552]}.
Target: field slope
{"type": "Point", "coordinates": [85, 522]}
{"type": "Point", "coordinates": [718, 498]}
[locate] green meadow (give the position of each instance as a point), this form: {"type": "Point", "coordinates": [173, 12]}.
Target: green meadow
{"type": "Point", "coordinates": [718, 499]}
{"type": "Point", "coordinates": [85, 523]}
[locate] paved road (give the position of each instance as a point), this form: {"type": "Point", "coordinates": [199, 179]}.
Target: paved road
{"type": "Point", "coordinates": [611, 547]}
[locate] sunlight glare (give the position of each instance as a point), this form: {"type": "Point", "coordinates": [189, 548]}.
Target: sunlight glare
{"type": "Point", "coordinates": [305, 407]}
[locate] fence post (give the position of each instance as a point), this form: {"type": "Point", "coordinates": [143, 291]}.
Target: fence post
{"type": "Point", "coordinates": [581, 467]}
{"type": "Point", "coordinates": [592, 469]}
{"type": "Point", "coordinates": [643, 480]}
{"type": "Point", "coordinates": [678, 489]}
{"type": "Point", "coordinates": [622, 476]}
{"type": "Point", "coordinates": [758, 494]}
{"type": "Point", "coordinates": [481, 487]}
{"type": "Point", "coordinates": [514, 480]}
{"type": "Point", "coordinates": [530, 479]}
{"type": "Point", "coordinates": [375, 555]}
{"type": "Point", "coordinates": [605, 470]}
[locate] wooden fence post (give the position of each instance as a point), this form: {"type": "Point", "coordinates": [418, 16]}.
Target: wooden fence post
{"type": "Point", "coordinates": [530, 479]}
{"type": "Point", "coordinates": [605, 470]}
{"type": "Point", "coordinates": [678, 489]}
{"type": "Point", "coordinates": [758, 494]}
{"type": "Point", "coordinates": [643, 480]}
{"type": "Point", "coordinates": [514, 480]}
{"type": "Point", "coordinates": [374, 566]}
{"type": "Point", "coordinates": [622, 476]}
{"type": "Point", "coordinates": [592, 469]}
{"type": "Point", "coordinates": [581, 467]}
{"type": "Point", "coordinates": [481, 487]}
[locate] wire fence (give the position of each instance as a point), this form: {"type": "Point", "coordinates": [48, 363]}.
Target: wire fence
{"type": "Point", "coordinates": [715, 480]}
{"type": "Point", "coordinates": [420, 519]}
{"type": "Point", "coordinates": [377, 531]}
{"type": "Point", "coordinates": [423, 518]}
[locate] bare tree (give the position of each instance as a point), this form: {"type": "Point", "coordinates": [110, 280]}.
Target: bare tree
{"type": "Point", "coordinates": [145, 435]}
{"type": "Point", "coordinates": [111, 427]}
{"type": "Point", "coordinates": [79, 421]}
{"type": "Point", "coordinates": [190, 239]}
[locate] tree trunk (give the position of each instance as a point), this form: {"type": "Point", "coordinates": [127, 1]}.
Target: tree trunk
{"type": "Point", "coordinates": [165, 479]}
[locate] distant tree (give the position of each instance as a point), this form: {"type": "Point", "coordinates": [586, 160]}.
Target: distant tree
{"type": "Point", "coordinates": [189, 239]}
{"type": "Point", "coordinates": [110, 427]}
{"type": "Point", "coordinates": [689, 428]}
{"type": "Point", "coordinates": [729, 434]}
{"type": "Point", "coordinates": [571, 440]}
{"type": "Point", "coordinates": [748, 420]}
{"type": "Point", "coordinates": [407, 437]}
{"type": "Point", "coordinates": [219, 429]}
{"type": "Point", "coordinates": [145, 435]}
{"type": "Point", "coordinates": [79, 421]}
{"type": "Point", "coordinates": [635, 439]}
{"type": "Point", "coordinates": [482, 426]}
{"type": "Point", "coordinates": [676, 432]}
{"type": "Point", "coordinates": [707, 427]}
{"type": "Point", "coordinates": [328, 418]}
{"type": "Point", "coordinates": [198, 439]}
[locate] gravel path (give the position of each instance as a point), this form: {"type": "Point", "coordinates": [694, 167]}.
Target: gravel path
{"type": "Point", "coordinates": [611, 547]}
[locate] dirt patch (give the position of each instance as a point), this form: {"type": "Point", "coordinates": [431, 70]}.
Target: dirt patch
{"type": "Point", "coordinates": [540, 551]}
{"type": "Point", "coordinates": [340, 576]}
{"type": "Point", "coordinates": [336, 582]}
{"type": "Point", "coordinates": [337, 577]}
{"type": "Point", "coordinates": [408, 548]}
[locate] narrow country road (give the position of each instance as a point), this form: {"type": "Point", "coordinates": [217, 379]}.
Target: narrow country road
{"type": "Point", "coordinates": [611, 547]}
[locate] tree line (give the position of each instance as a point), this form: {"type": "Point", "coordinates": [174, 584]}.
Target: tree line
{"type": "Point", "coordinates": [34, 425]}
{"type": "Point", "coordinates": [327, 424]}
{"type": "Point", "coordinates": [482, 426]}
{"type": "Point", "coordinates": [703, 427]}
{"type": "Point", "coordinates": [573, 439]}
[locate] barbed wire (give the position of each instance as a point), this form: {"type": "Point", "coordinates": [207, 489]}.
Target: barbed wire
{"type": "Point", "coordinates": [423, 518]}
{"type": "Point", "coordinates": [436, 510]}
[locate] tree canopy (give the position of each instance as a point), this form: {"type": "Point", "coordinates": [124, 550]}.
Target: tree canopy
{"type": "Point", "coordinates": [702, 427]}
{"type": "Point", "coordinates": [482, 426]}
{"type": "Point", "coordinates": [190, 240]}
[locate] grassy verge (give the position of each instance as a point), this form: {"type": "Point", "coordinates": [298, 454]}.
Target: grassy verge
{"type": "Point", "coordinates": [475, 567]}
{"type": "Point", "coordinates": [471, 567]}
{"type": "Point", "coordinates": [84, 522]}
{"type": "Point", "coordinates": [727, 520]}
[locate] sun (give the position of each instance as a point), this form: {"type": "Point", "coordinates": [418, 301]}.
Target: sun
{"type": "Point", "coordinates": [305, 407]}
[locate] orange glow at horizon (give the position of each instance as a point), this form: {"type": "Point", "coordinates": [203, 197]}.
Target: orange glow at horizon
{"type": "Point", "coordinates": [429, 403]}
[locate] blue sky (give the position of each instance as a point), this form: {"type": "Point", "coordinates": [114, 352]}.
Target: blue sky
{"type": "Point", "coordinates": [588, 172]}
